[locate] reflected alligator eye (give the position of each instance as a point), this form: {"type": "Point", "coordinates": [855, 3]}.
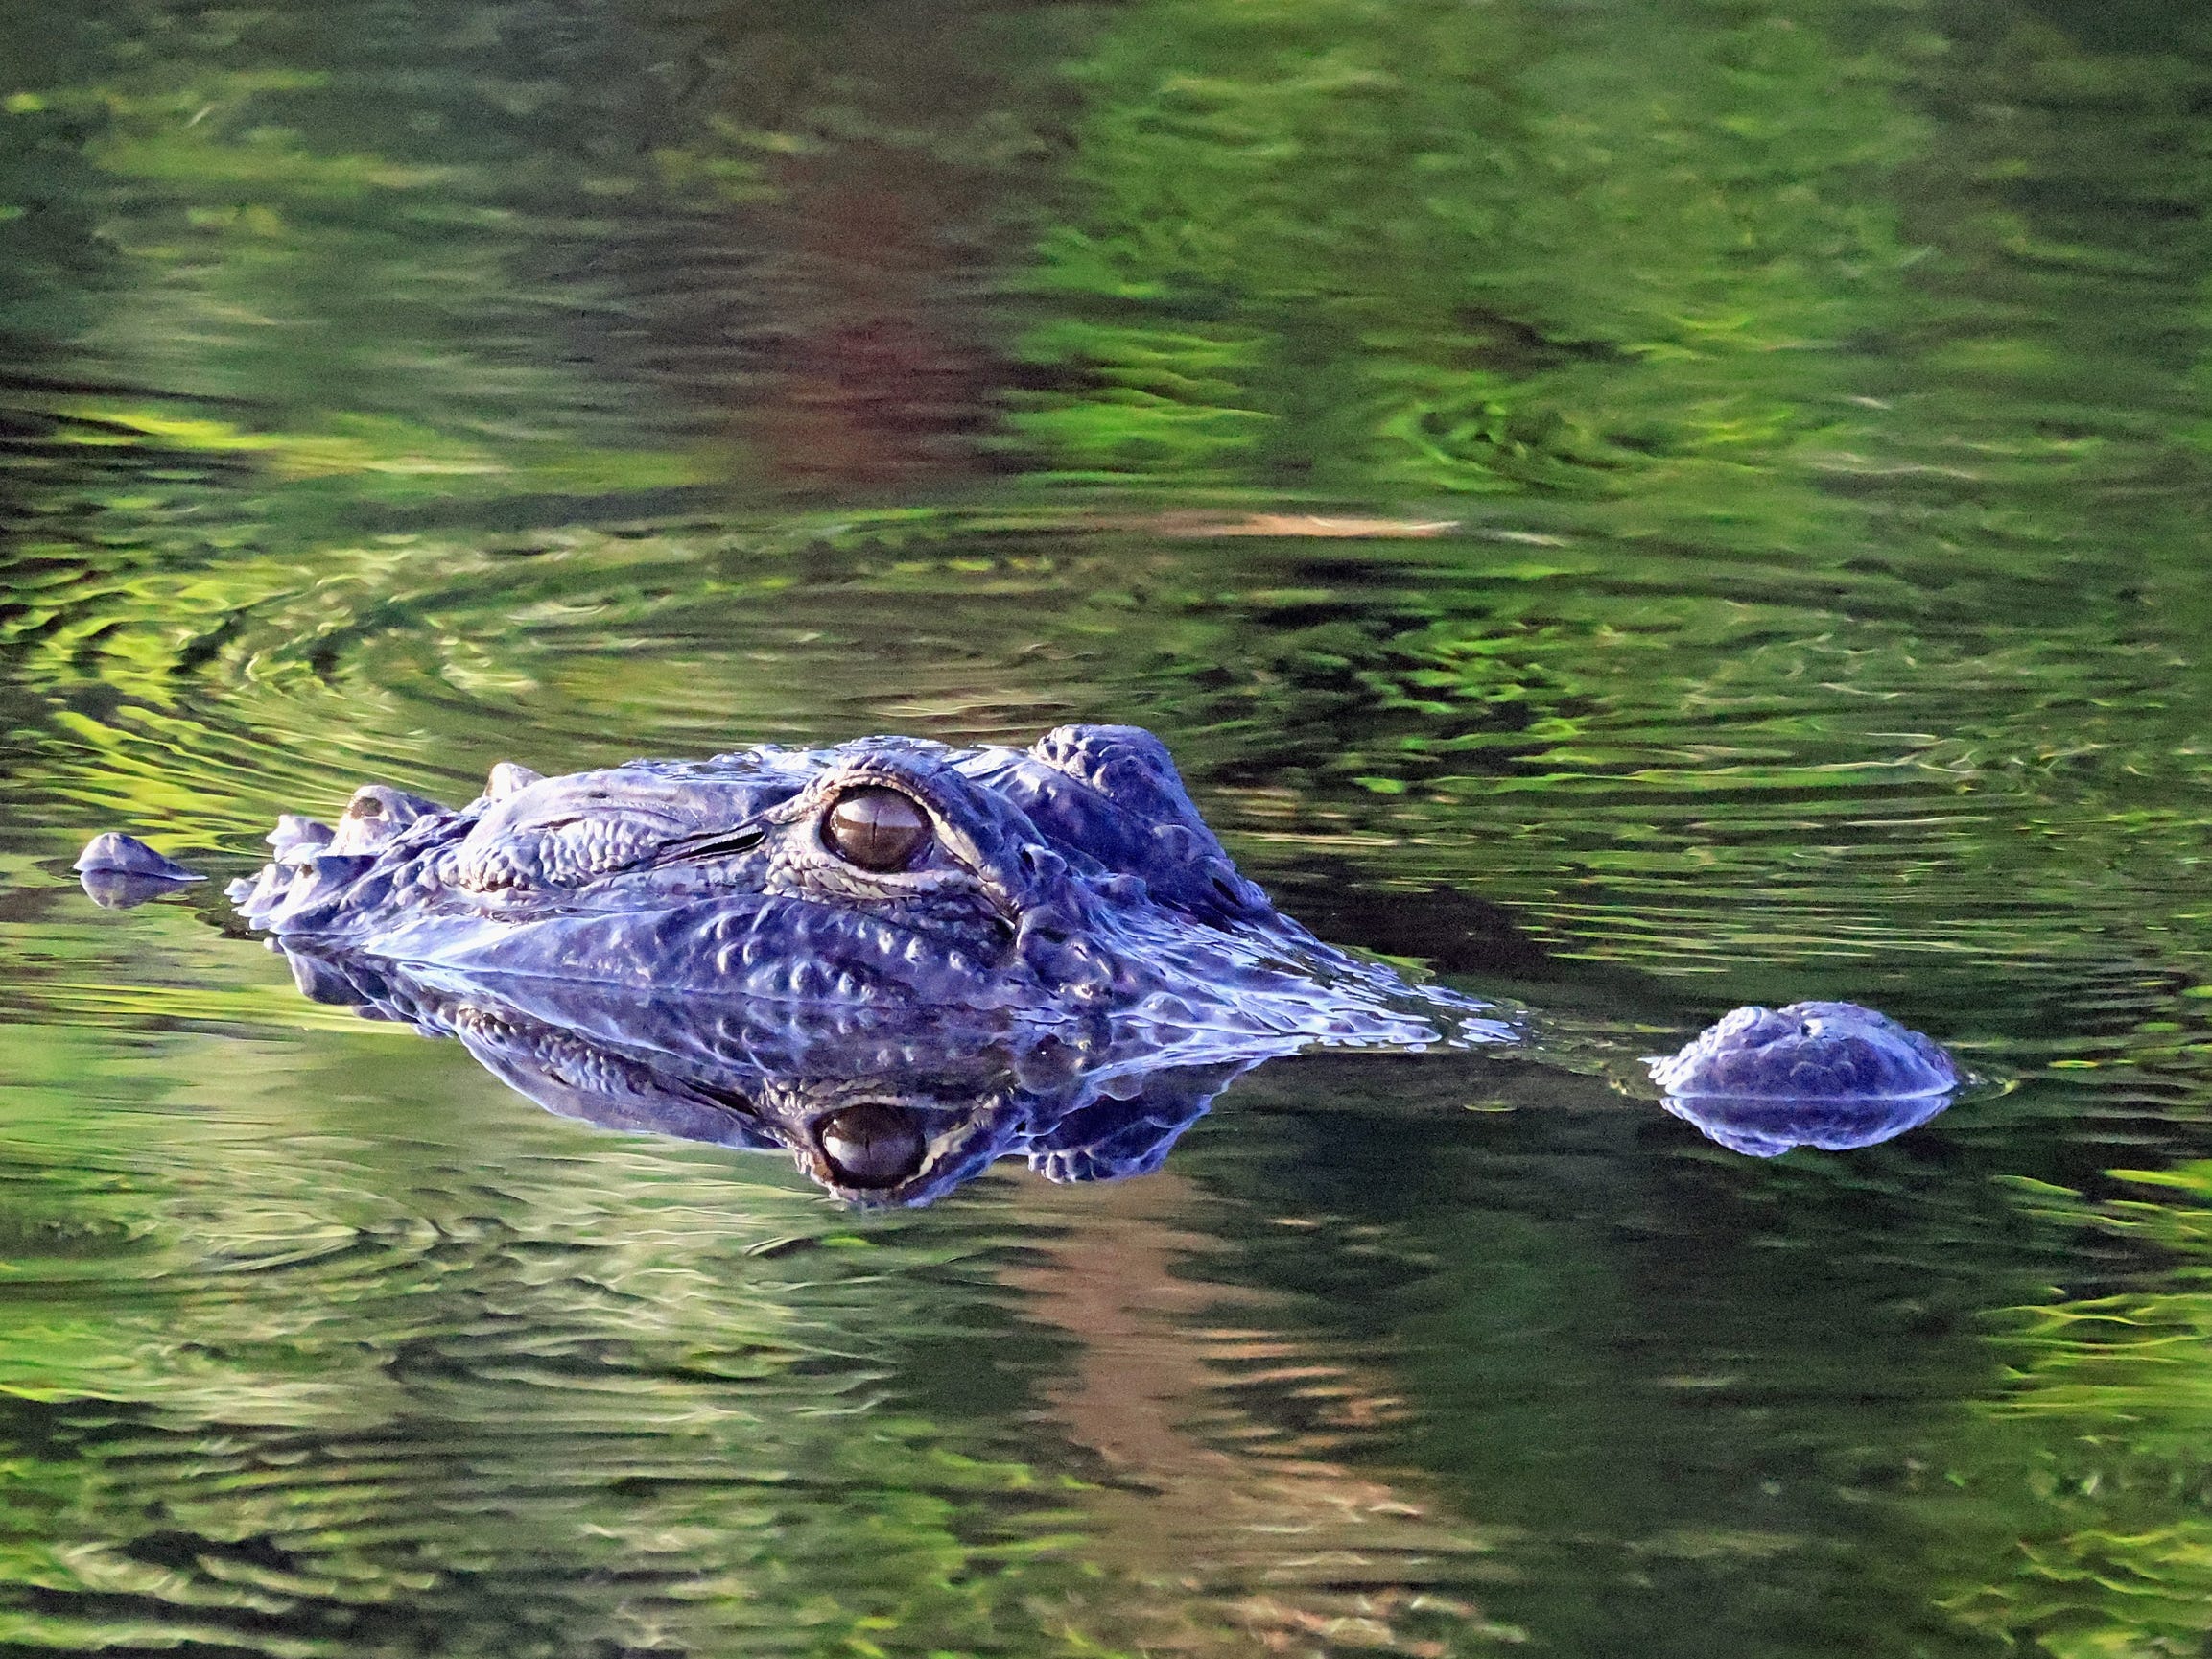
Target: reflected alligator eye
{"type": "Point", "coordinates": [878, 829]}
{"type": "Point", "coordinates": [872, 1145]}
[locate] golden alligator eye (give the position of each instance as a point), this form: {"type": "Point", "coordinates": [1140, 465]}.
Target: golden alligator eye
{"type": "Point", "coordinates": [878, 829]}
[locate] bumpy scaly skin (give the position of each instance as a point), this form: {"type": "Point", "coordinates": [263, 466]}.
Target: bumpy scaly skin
{"type": "Point", "coordinates": [1807, 1052]}
{"type": "Point", "coordinates": [1072, 876]}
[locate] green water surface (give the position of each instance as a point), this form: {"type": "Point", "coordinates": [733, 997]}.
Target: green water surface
{"type": "Point", "coordinates": [1640, 506]}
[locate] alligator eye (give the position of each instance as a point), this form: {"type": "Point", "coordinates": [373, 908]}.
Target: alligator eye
{"type": "Point", "coordinates": [872, 1145]}
{"type": "Point", "coordinates": [878, 829]}
{"type": "Point", "coordinates": [365, 805]}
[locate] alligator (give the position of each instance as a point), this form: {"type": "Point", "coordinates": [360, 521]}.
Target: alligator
{"type": "Point", "coordinates": [991, 901]}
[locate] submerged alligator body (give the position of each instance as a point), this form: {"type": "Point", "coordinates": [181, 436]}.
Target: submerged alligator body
{"type": "Point", "coordinates": [901, 961]}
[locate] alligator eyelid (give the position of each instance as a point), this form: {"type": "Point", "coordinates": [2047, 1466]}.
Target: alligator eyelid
{"type": "Point", "coordinates": [708, 844]}
{"type": "Point", "coordinates": [715, 844]}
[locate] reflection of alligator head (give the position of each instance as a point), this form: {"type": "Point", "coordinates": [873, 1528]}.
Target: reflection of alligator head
{"type": "Point", "coordinates": [1833, 1076]}
{"type": "Point", "coordinates": [878, 1108]}
{"type": "Point", "coordinates": [886, 874]}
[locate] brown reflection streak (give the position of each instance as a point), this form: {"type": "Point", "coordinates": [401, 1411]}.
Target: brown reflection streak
{"type": "Point", "coordinates": [1304, 1553]}
{"type": "Point", "coordinates": [870, 383]}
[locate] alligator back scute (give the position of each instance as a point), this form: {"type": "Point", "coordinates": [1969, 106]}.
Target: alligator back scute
{"type": "Point", "coordinates": [1809, 1051]}
{"type": "Point", "coordinates": [1828, 1074]}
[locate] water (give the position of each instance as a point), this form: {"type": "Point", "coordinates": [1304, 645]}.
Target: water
{"type": "Point", "coordinates": [1637, 508]}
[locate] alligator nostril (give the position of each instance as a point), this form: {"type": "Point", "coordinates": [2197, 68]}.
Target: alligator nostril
{"type": "Point", "coordinates": [872, 1145]}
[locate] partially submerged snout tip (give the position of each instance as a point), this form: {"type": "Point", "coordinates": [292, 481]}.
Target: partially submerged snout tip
{"type": "Point", "coordinates": [114, 853]}
{"type": "Point", "coordinates": [119, 871]}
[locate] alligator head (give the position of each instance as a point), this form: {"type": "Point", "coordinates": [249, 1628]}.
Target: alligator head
{"type": "Point", "coordinates": [1057, 882]}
